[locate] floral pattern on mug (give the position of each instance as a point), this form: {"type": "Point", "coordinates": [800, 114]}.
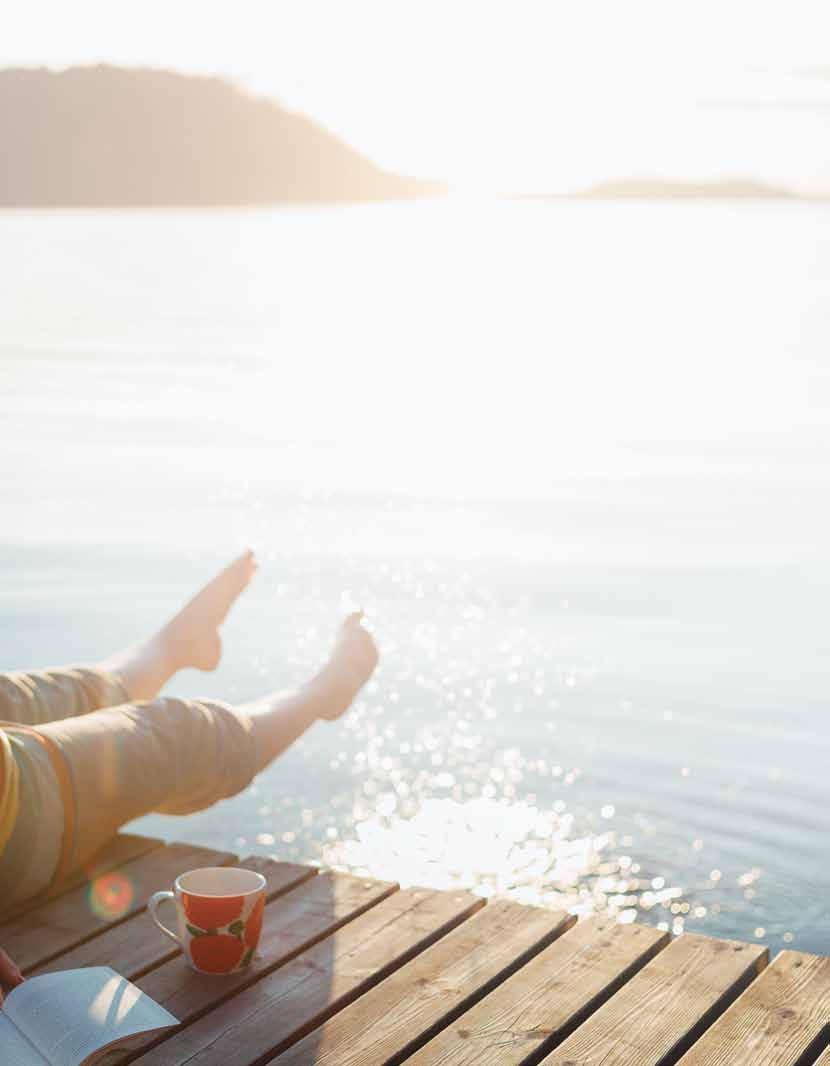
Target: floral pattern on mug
{"type": "Point", "coordinates": [210, 913]}
{"type": "Point", "coordinates": [222, 938]}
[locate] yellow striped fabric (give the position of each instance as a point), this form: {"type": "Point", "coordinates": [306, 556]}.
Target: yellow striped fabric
{"type": "Point", "coordinates": [9, 789]}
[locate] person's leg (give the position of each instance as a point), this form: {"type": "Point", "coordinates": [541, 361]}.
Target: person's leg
{"type": "Point", "coordinates": [36, 697]}
{"type": "Point", "coordinates": [178, 756]}
{"type": "Point", "coordinates": [280, 718]}
{"type": "Point", "coordinates": [189, 639]}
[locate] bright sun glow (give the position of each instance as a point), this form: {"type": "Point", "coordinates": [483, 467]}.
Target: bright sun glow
{"type": "Point", "coordinates": [528, 95]}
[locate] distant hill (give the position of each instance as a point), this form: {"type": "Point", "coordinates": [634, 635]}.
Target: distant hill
{"type": "Point", "coordinates": [109, 136]}
{"type": "Point", "coordinates": [652, 189]}
{"type": "Point", "coordinates": [675, 189]}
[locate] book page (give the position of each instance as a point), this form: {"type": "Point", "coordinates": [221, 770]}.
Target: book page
{"type": "Point", "coordinates": [73, 1013]}
{"type": "Point", "coordinates": [15, 1049]}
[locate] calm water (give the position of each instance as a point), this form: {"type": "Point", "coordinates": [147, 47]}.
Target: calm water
{"type": "Point", "coordinates": [573, 459]}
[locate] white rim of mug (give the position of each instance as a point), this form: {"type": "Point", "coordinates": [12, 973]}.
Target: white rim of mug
{"type": "Point", "coordinates": [218, 895]}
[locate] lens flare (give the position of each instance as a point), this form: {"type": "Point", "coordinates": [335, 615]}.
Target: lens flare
{"type": "Point", "coordinates": [110, 896]}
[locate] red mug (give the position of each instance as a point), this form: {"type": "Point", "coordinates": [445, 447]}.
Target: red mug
{"type": "Point", "coordinates": [219, 916]}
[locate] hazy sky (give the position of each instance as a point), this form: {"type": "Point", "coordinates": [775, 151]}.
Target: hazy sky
{"type": "Point", "coordinates": [532, 94]}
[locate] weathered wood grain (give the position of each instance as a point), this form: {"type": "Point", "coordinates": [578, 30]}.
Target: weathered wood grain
{"type": "Point", "coordinates": [656, 1015]}
{"type": "Point", "coordinates": [293, 924]}
{"type": "Point", "coordinates": [70, 919]}
{"type": "Point", "coordinates": [782, 1019]}
{"type": "Point", "coordinates": [353, 973]}
{"type": "Point", "coordinates": [546, 999]}
{"type": "Point", "coordinates": [136, 946]}
{"type": "Point", "coordinates": [424, 996]}
{"type": "Point", "coordinates": [267, 1017]}
{"type": "Point", "coordinates": [121, 849]}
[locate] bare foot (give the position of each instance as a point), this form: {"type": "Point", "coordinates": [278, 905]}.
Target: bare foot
{"type": "Point", "coordinates": [352, 662]}
{"type": "Point", "coordinates": [193, 634]}
{"type": "Point", "coordinates": [279, 718]}
{"type": "Point", "coordinates": [191, 638]}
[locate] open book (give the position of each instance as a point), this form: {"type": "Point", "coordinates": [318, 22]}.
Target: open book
{"type": "Point", "coordinates": [72, 1017]}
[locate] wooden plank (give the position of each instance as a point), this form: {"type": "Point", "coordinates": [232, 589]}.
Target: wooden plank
{"type": "Point", "coordinates": [267, 1017]}
{"type": "Point", "coordinates": [656, 1015]}
{"type": "Point", "coordinates": [136, 946]}
{"type": "Point", "coordinates": [423, 997]}
{"type": "Point", "coordinates": [121, 849]}
{"type": "Point", "coordinates": [293, 924]}
{"type": "Point", "coordinates": [536, 1008]}
{"type": "Point", "coordinates": [77, 916]}
{"type": "Point", "coordinates": [780, 1020]}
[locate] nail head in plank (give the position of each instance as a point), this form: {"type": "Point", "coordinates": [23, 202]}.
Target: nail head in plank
{"type": "Point", "coordinates": [547, 998]}
{"type": "Point", "coordinates": [780, 1020]}
{"type": "Point", "coordinates": [136, 946]}
{"type": "Point", "coordinates": [77, 916]}
{"type": "Point", "coordinates": [431, 991]}
{"type": "Point", "coordinates": [270, 1015]}
{"type": "Point", "coordinates": [121, 849]}
{"type": "Point", "coordinates": [654, 1017]}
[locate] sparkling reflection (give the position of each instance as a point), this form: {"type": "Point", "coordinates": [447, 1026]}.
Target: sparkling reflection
{"type": "Point", "coordinates": [595, 605]}
{"type": "Point", "coordinates": [513, 850]}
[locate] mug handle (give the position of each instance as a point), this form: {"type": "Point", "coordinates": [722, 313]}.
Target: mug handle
{"type": "Point", "coordinates": [153, 904]}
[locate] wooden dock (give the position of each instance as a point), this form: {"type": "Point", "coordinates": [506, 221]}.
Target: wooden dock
{"type": "Point", "coordinates": [359, 972]}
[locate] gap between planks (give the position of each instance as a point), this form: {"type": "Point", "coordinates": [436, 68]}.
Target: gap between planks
{"type": "Point", "coordinates": [727, 1031]}
{"type": "Point", "coordinates": [294, 923]}
{"type": "Point", "coordinates": [121, 849]}
{"type": "Point", "coordinates": [665, 1007]}
{"type": "Point", "coordinates": [782, 1019]}
{"type": "Point", "coordinates": [136, 945]}
{"type": "Point", "coordinates": [71, 919]}
{"type": "Point", "coordinates": [386, 1024]}
{"type": "Point", "coordinates": [536, 1008]}
{"type": "Point", "coordinates": [270, 1015]}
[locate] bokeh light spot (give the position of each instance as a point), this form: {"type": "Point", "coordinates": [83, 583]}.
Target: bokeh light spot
{"type": "Point", "coordinates": [110, 896]}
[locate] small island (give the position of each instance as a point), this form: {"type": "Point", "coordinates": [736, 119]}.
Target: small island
{"type": "Point", "coordinates": [107, 136]}
{"type": "Point", "coordinates": [685, 189]}
{"type": "Point", "coordinates": [676, 189]}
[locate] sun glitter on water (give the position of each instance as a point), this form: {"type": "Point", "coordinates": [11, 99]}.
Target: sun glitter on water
{"type": "Point", "coordinates": [515, 851]}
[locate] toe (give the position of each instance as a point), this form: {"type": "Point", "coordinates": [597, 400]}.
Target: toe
{"type": "Point", "coordinates": [245, 562]}
{"type": "Point", "coordinates": [234, 578]}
